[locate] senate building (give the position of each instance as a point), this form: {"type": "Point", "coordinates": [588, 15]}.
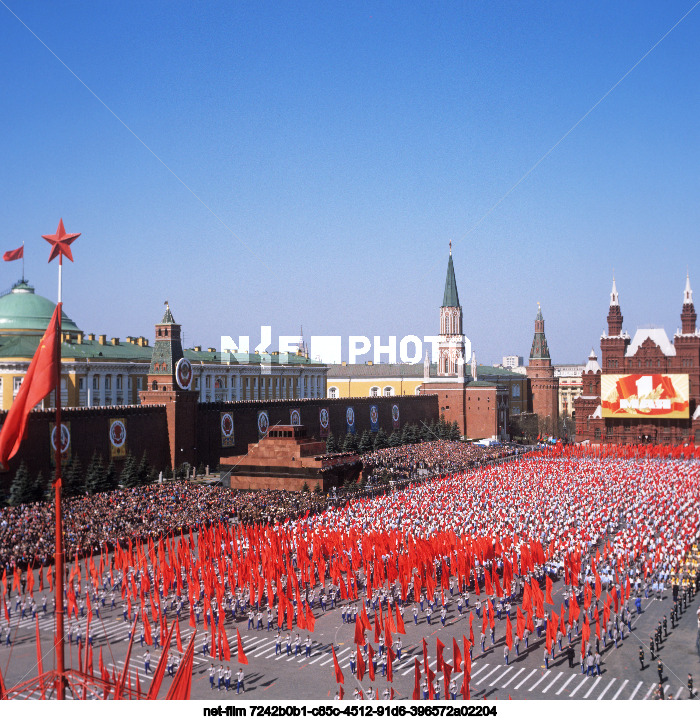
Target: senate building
{"type": "Point", "coordinates": [105, 371]}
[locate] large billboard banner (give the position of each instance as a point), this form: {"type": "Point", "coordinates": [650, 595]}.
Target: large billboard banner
{"type": "Point", "coordinates": [639, 395]}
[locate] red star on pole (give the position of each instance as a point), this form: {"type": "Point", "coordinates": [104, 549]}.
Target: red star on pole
{"type": "Point", "coordinates": [60, 243]}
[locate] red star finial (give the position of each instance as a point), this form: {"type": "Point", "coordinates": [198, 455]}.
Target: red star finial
{"type": "Point", "coordinates": [60, 242]}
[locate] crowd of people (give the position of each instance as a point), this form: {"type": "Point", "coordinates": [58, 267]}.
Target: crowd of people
{"type": "Point", "coordinates": [27, 531]}
{"type": "Point", "coordinates": [615, 529]}
{"type": "Point", "coordinates": [431, 458]}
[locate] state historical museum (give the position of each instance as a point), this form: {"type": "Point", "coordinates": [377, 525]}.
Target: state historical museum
{"type": "Point", "coordinates": [647, 388]}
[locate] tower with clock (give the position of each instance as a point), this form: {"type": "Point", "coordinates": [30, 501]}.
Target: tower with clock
{"type": "Point", "coordinates": [170, 384]}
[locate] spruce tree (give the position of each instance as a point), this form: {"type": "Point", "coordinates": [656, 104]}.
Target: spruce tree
{"type": "Point", "coordinates": [455, 434]}
{"type": "Point", "coordinates": [128, 477]}
{"type": "Point", "coordinates": [109, 481]}
{"type": "Point", "coordinates": [73, 478]}
{"type": "Point", "coordinates": [394, 440]}
{"type": "Point", "coordinates": [143, 472]}
{"type": "Point", "coordinates": [40, 488]}
{"type": "Point", "coordinates": [331, 445]}
{"type": "Point", "coordinates": [381, 440]}
{"type": "Point", "coordinates": [95, 474]}
{"type": "Point", "coordinates": [350, 443]}
{"type": "Point", "coordinates": [21, 490]}
{"type": "Point", "coordinates": [406, 435]}
{"type": "Point", "coordinates": [366, 445]}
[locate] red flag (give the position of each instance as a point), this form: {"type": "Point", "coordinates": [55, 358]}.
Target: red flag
{"type": "Point", "coordinates": [359, 636]}
{"type": "Point", "coordinates": [548, 594]}
{"type": "Point", "coordinates": [339, 678]}
{"type": "Point", "coordinates": [400, 628]}
{"type": "Point", "coordinates": [416, 686]}
{"type": "Point", "coordinates": [241, 656]}
{"type": "Point", "coordinates": [310, 619]}
{"type": "Point", "coordinates": [370, 661]}
{"type": "Point", "coordinates": [38, 382]}
{"type": "Point", "coordinates": [14, 254]}
{"type": "Point", "coordinates": [440, 648]}
{"type": "Point", "coordinates": [390, 666]}
{"type": "Point", "coordinates": [456, 656]}
{"type": "Point", "coordinates": [509, 633]}
{"type": "Point", "coordinates": [360, 665]}
{"type": "Point", "coordinates": [181, 686]}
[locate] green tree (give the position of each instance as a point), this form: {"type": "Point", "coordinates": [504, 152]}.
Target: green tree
{"type": "Point", "coordinates": [305, 487]}
{"type": "Point", "coordinates": [394, 440]}
{"type": "Point", "coordinates": [317, 489]}
{"type": "Point", "coordinates": [128, 477]}
{"type": "Point", "coordinates": [201, 469]}
{"type": "Point", "coordinates": [73, 478]}
{"type": "Point", "coordinates": [455, 434]}
{"type": "Point", "coordinates": [94, 474]}
{"type": "Point", "coordinates": [331, 445]}
{"type": "Point", "coordinates": [381, 440]}
{"type": "Point", "coordinates": [168, 473]}
{"type": "Point", "coordinates": [40, 487]}
{"type": "Point", "coordinates": [143, 471]}
{"type": "Point", "coordinates": [366, 444]}
{"type": "Point", "coordinates": [109, 480]}
{"type": "Point", "coordinates": [350, 443]}
{"type": "Point", "coordinates": [21, 490]}
{"type": "Point", "coordinates": [406, 435]}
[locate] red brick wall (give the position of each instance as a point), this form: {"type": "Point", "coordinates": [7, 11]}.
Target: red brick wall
{"type": "Point", "coordinates": [146, 429]}
{"type": "Point", "coordinates": [481, 412]}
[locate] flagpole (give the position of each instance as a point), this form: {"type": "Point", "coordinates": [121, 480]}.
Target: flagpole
{"type": "Point", "coordinates": [59, 641]}
{"type": "Point", "coordinates": [23, 261]}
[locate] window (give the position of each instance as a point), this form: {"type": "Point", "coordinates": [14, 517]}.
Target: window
{"type": "Point", "coordinates": [129, 384]}
{"type": "Point", "coordinates": [16, 383]}
{"type": "Point", "coordinates": [597, 434]}
{"type": "Point", "coordinates": [119, 383]}
{"type": "Point", "coordinates": [207, 382]}
{"type": "Point", "coordinates": [196, 383]}
{"type": "Point", "coordinates": [108, 383]}
{"type": "Point", "coordinates": [81, 384]}
{"type": "Point", "coordinates": [374, 391]}
{"type": "Point", "coordinates": [332, 391]}
{"type": "Point", "coordinates": [516, 391]}
{"type": "Point", "coordinates": [388, 391]}
{"type": "Point", "coordinates": [516, 411]}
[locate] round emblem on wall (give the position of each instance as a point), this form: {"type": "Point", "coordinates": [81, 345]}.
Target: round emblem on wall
{"type": "Point", "coordinates": [226, 425]}
{"type": "Point", "coordinates": [324, 418]}
{"type": "Point", "coordinates": [350, 416]}
{"type": "Point", "coordinates": [65, 438]}
{"type": "Point", "coordinates": [263, 422]}
{"type": "Point", "coordinates": [183, 374]}
{"type": "Point", "coordinates": [117, 434]}
{"type": "Point", "coordinates": [374, 414]}
{"type": "Point", "coordinates": [395, 413]}
{"type": "Point", "coordinates": [296, 418]}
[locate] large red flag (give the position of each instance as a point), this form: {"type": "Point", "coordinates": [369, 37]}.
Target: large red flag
{"type": "Point", "coordinates": [14, 254]}
{"type": "Point", "coordinates": [456, 656]}
{"type": "Point", "coordinates": [400, 628]}
{"type": "Point", "coordinates": [440, 649]}
{"type": "Point", "coordinates": [416, 685]}
{"type": "Point", "coordinates": [241, 656]}
{"type": "Point", "coordinates": [37, 384]}
{"type": "Point", "coordinates": [509, 633]}
{"type": "Point", "coordinates": [339, 678]}
{"type": "Point", "coordinates": [360, 665]}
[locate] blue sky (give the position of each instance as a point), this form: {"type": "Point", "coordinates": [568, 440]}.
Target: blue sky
{"type": "Point", "coordinates": [342, 145]}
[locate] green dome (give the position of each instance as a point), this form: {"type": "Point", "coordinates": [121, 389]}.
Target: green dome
{"type": "Point", "coordinates": [22, 310]}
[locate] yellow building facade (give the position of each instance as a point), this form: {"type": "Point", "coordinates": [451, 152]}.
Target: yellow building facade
{"type": "Point", "coordinates": [102, 371]}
